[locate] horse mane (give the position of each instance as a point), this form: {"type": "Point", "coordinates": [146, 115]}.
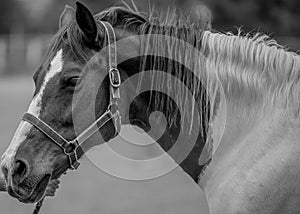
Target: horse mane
{"type": "Point", "coordinates": [171, 16]}
{"type": "Point", "coordinates": [127, 16]}
{"type": "Point", "coordinates": [254, 64]}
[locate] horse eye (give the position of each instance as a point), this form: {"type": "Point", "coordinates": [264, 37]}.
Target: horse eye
{"type": "Point", "coordinates": [72, 81]}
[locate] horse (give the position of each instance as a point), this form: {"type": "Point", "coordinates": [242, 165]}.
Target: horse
{"type": "Point", "coordinates": [80, 36]}
{"type": "Point", "coordinates": [258, 149]}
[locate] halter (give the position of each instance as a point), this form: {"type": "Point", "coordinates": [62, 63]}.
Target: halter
{"type": "Point", "coordinates": [73, 149]}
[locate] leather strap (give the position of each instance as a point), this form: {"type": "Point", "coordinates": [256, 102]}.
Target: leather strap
{"type": "Point", "coordinates": [112, 48]}
{"type": "Point", "coordinates": [114, 74]}
{"type": "Point", "coordinates": [45, 128]}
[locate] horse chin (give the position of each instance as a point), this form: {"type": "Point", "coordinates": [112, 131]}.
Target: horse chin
{"type": "Point", "coordinates": [39, 191]}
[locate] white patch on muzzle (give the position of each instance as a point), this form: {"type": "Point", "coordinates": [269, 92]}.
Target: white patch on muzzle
{"type": "Point", "coordinates": [35, 109]}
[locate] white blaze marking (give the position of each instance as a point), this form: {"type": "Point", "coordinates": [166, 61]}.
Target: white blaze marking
{"type": "Point", "coordinates": [55, 68]}
{"type": "Point", "coordinates": [34, 108]}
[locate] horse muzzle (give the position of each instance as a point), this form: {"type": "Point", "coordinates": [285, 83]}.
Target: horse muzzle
{"type": "Point", "coordinates": [26, 192]}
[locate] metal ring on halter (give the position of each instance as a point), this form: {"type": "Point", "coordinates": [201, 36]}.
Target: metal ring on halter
{"type": "Point", "coordinates": [72, 154]}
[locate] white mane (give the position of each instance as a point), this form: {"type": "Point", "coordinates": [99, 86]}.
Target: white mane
{"type": "Point", "coordinates": [257, 67]}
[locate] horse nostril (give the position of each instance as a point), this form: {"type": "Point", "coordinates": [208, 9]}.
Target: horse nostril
{"type": "Point", "coordinates": [20, 170]}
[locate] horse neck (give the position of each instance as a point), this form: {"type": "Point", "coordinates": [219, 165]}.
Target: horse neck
{"type": "Point", "coordinates": [261, 87]}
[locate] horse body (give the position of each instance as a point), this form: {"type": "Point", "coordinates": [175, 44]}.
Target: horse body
{"type": "Point", "coordinates": [255, 171]}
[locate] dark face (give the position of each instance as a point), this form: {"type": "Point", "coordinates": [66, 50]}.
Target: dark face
{"type": "Point", "coordinates": [32, 159]}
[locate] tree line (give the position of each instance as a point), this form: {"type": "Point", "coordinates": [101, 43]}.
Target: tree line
{"type": "Point", "coordinates": [275, 17]}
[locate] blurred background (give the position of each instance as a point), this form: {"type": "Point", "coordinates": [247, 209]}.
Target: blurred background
{"type": "Point", "coordinates": [26, 27]}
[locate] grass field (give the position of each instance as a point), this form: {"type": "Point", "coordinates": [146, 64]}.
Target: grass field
{"type": "Point", "coordinates": [89, 190]}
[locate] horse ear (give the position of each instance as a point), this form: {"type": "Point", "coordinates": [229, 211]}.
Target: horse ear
{"type": "Point", "coordinates": [86, 23]}
{"type": "Point", "coordinates": [67, 16]}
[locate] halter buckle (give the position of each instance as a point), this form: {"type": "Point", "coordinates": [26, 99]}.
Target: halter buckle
{"type": "Point", "coordinates": [114, 77]}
